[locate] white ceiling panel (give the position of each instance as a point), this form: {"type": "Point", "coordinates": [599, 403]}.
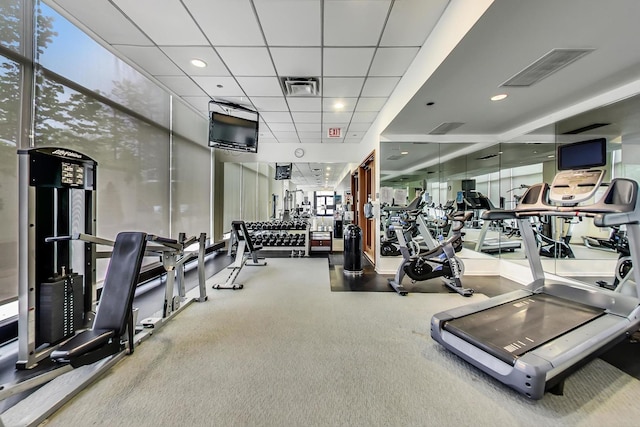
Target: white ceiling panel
{"type": "Point", "coordinates": [308, 135]}
{"type": "Point", "coordinates": [364, 117]}
{"type": "Point", "coordinates": [295, 140]}
{"type": "Point", "coordinates": [330, 117]}
{"type": "Point", "coordinates": [358, 127]}
{"type": "Point", "coordinates": [260, 86]}
{"type": "Point", "coordinates": [151, 59]}
{"type": "Point", "coordinates": [351, 140]}
{"type": "Point", "coordinates": [379, 86]}
{"type": "Point", "coordinates": [347, 61]}
{"type": "Point", "coordinates": [304, 117]}
{"type": "Point", "coordinates": [392, 61]}
{"type": "Point", "coordinates": [276, 116]}
{"type": "Point", "coordinates": [297, 61]}
{"type": "Point", "coordinates": [282, 127]}
{"type": "Point", "coordinates": [342, 86]}
{"type": "Point", "coordinates": [181, 85]}
{"type": "Point", "coordinates": [237, 26]}
{"type": "Point", "coordinates": [201, 103]}
{"type": "Point", "coordinates": [351, 134]}
{"type": "Point", "coordinates": [290, 22]}
{"type": "Point", "coordinates": [183, 55]}
{"type": "Point", "coordinates": [285, 135]}
{"type": "Point", "coordinates": [354, 23]}
{"type": "Point", "coordinates": [270, 103]}
{"type": "Point", "coordinates": [370, 104]}
{"type": "Point", "coordinates": [247, 61]}
{"type": "Point", "coordinates": [311, 140]}
{"type": "Point", "coordinates": [168, 24]}
{"type": "Point", "coordinates": [348, 104]}
{"type": "Point", "coordinates": [304, 104]}
{"type": "Point", "coordinates": [333, 140]}
{"type": "Point", "coordinates": [327, 125]}
{"type": "Point", "coordinates": [106, 21]}
{"type": "Point", "coordinates": [309, 127]}
{"type": "Point", "coordinates": [411, 21]}
{"type": "Point", "coordinates": [229, 87]}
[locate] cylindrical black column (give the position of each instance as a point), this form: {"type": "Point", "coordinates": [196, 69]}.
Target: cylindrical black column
{"type": "Point", "coordinates": [353, 250]}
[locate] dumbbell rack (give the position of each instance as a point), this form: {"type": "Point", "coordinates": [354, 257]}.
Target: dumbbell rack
{"type": "Point", "coordinates": [279, 236]}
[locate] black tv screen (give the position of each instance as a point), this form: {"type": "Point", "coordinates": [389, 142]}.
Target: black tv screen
{"type": "Point", "coordinates": [233, 133]}
{"type": "Point", "coordinates": [283, 171]}
{"type": "Point", "coordinates": [583, 154]}
{"type": "Point", "coordinates": [468, 184]}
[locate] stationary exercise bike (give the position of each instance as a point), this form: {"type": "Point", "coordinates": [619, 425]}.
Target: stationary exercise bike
{"type": "Point", "coordinates": [624, 266]}
{"type": "Point", "coordinates": [560, 248]}
{"type": "Point", "coordinates": [437, 262]}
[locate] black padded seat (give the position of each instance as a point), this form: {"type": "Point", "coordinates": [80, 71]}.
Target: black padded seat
{"type": "Point", "coordinates": [114, 312]}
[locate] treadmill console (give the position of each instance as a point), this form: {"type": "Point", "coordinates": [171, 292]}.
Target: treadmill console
{"type": "Point", "coordinates": [571, 187]}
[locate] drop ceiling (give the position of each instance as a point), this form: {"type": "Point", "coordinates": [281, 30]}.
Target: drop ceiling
{"type": "Point", "coordinates": [360, 49]}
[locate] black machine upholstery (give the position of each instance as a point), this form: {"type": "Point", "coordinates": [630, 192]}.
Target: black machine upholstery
{"type": "Point", "coordinates": [114, 312]}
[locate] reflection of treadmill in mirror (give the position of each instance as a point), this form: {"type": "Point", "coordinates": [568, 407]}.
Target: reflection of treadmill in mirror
{"type": "Point", "coordinates": [480, 202]}
{"type": "Point", "coordinates": [531, 339]}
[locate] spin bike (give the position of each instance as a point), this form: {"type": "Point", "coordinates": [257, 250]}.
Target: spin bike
{"type": "Point", "coordinates": [437, 262]}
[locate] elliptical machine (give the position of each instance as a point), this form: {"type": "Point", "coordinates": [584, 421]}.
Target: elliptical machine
{"type": "Point", "coordinates": [440, 261]}
{"type": "Point", "coordinates": [560, 248]}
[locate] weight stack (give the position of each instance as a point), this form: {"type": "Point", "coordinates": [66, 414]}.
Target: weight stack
{"type": "Point", "coordinates": [61, 308]}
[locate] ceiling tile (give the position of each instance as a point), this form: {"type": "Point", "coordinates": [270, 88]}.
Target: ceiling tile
{"type": "Point", "coordinates": [282, 127]}
{"type": "Point", "coordinates": [308, 135]}
{"type": "Point", "coordinates": [247, 61]}
{"type": "Point", "coordinates": [411, 21]}
{"type": "Point", "coordinates": [169, 24]}
{"type": "Point", "coordinates": [348, 104]}
{"type": "Point", "coordinates": [183, 55]}
{"type": "Point", "coordinates": [341, 125]}
{"type": "Point", "coordinates": [330, 117]}
{"type": "Point", "coordinates": [392, 61]}
{"type": "Point", "coordinates": [260, 86]}
{"type": "Point", "coordinates": [379, 86]}
{"type": "Point", "coordinates": [297, 61]}
{"type": "Point", "coordinates": [306, 117]}
{"type": "Point", "coordinates": [210, 85]}
{"type": "Point", "coordinates": [201, 103]}
{"type": "Point", "coordinates": [285, 135]}
{"type": "Point", "coordinates": [347, 61]}
{"type": "Point", "coordinates": [308, 127]}
{"type": "Point", "coordinates": [366, 117]}
{"type": "Point", "coordinates": [358, 127]}
{"type": "Point", "coordinates": [290, 22]}
{"type": "Point", "coordinates": [223, 28]}
{"type": "Point", "coordinates": [289, 140]}
{"type": "Point", "coordinates": [370, 104]}
{"type": "Point", "coordinates": [332, 140]}
{"type": "Point", "coordinates": [270, 103]}
{"type": "Point", "coordinates": [311, 140]}
{"type": "Point", "coordinates": [276, 117]}
{"type": "Point", "coordinates": [353, 134]}
{"type": "Point", "coordinates": [106, 21]}
{"type": "Point", "coordinates": [151, 59]}
{"type": "Point", "coordinates": [181, 85]}
{"type": "Point", "coordinates": [342, 86]}
{"type": "Point", "coordinates": [354, 23]}
{"type": "Point", "coordinates": [352, 140]}
{"type": "Point", "coordinates": [304, 104]}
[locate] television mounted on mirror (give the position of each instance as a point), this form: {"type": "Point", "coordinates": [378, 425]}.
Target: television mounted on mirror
{"type": "Point", "coordinates": [583, 154]}
{"type": "Point", "coordinates": [283, 171]}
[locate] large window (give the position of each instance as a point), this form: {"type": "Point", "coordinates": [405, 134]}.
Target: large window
{"type": "Point", "coordinates": [11, 25]}
{"type": "Point", "coordinates": [325, 203]}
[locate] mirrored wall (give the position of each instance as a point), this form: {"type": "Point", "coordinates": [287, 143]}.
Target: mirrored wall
{"type": "Point", "coordinates": [496, 177]}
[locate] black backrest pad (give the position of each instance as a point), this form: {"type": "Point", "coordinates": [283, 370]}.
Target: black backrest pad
{"type": "Point", "coordinates": [119, 286]}
{"type": "Point", "coordinates": [242, 233]}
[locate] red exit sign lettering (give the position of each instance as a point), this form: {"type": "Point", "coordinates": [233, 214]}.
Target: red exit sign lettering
{"type": "Point", "coordinates": [335, 133]}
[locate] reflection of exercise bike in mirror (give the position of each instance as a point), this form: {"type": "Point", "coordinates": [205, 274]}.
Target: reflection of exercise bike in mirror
{"type": "Point", "coordinates": [550, 247]}
{"type": "Point", "coordinates": [437, 262]}
{"type": "Point", "coordinates": [624, 266]}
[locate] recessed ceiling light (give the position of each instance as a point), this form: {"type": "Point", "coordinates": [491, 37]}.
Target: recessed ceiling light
{"type": "Point", "coordinates": [219, 86]}
{"type": "Point", "coordinates": [327, 174]}
{"type": "Point", "coordinates": [551, 156]}
{"type": "Point", "coordinates": [404, 152]}
{"type": "Point", "coordinates": [499, 97]}
{"type": "Point", "coordinates": [328, 168]}
{"type": "Point", "coordinates": [338, 105]}
{"type": "Point", "coordinates": [198, 63]}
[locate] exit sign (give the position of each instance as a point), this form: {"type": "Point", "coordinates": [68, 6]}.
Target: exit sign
{"type": "Point", "coordinates": [335, 133]}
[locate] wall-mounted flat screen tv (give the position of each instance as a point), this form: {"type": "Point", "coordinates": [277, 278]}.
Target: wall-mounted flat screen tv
{"type": "Point", "coordinates": [583, 154]}
{"type": "Point", "coordinates": [283, 171]}
{"type": "Point", "coordinates": [233, 133]}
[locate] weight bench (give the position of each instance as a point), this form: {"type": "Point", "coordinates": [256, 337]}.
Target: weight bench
{"type": "Point", "coordinates": [245, 249]}
{"type": "Point", "coordinates": [115, 309]}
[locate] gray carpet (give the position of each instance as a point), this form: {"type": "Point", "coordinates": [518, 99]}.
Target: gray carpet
{"type": "Point", "coordinates": [286, 351]}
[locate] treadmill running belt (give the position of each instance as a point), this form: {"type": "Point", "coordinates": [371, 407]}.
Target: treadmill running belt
{"type": "Point", "coordinates": [508, 331]}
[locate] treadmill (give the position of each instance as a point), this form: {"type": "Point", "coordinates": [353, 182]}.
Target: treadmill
{"type": "Point", "coordinates": [532, 339]}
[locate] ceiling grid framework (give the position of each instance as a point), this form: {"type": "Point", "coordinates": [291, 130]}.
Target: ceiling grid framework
{"type": "Point", "coordinates": [358, 49]}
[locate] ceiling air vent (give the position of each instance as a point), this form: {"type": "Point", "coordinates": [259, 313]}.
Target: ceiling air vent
{"type": "Point", "coordinates": [445, 128]}
{"type": "Point", "coordinates": [300, 86]}
{"type": "Point", "coordinates": [545, 66]}
{"type": "Point", "coordinates": [592, 126]}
